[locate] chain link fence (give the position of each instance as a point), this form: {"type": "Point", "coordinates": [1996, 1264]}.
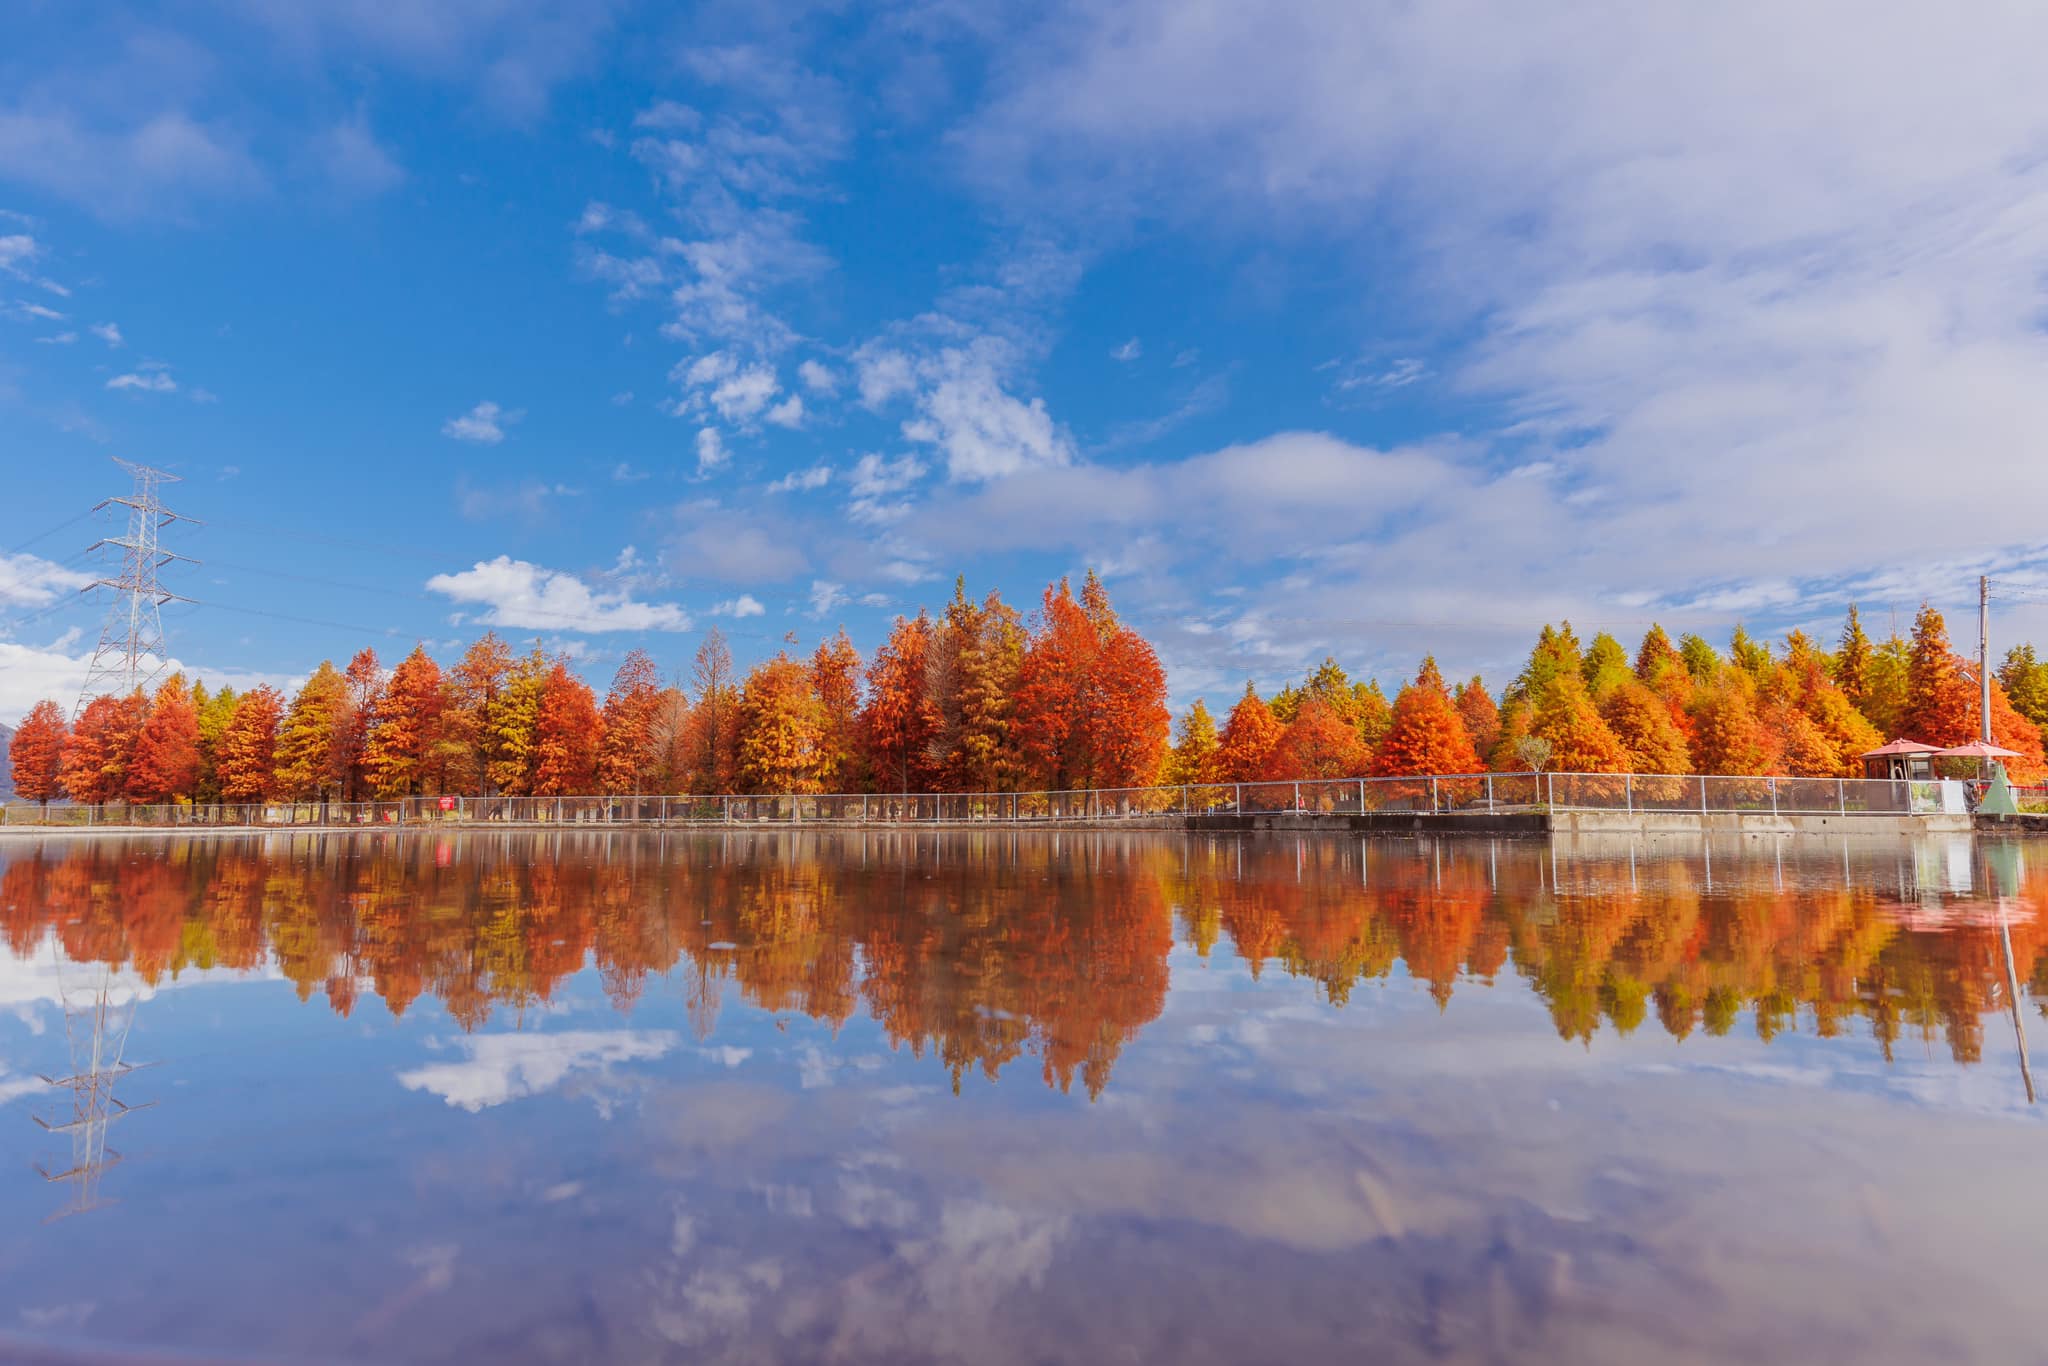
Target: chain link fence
{"type": "Point", "coordinates": [1440, 794]}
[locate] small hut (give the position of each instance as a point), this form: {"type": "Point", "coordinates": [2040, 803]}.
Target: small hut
{"type": "Point", "coordinates": [1907, 759]}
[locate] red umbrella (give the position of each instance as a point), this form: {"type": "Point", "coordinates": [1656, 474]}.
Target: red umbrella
{"type": "Point", "coordinates": [1977, 749]}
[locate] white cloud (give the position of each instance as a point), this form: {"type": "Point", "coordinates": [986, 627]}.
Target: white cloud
{"type": "Point", "coordinates": [740, 397]}
{"type": "Point", "coordinates": [874, 480]}
{"type": "Point", "coordinates": [739, 393]}
{"type": "Point", "coordinates": [1128, 352]}
{"type": "Point", "coordinates": [31, 673]}
{"type": "Point", "coordinates": [504, 1067]}
{"type": "Point", "coordinates": [711, 451]}
{"type": "Point", "coordinates": [745, 605]}
{"type": "Point", "coordinates": [799, 481]}
{"type": "Point", "coordinates": [788, 413]}
{"type": "Point", "coordinates": [818, 378]}
{"type": "Point", "coordinates": [484, 424]}
{"type": "Point", "coordinates": [963, 409]}
{"type": "Point", "coordinates": [58, 339]}
{"type": "Point", "coordinates": [155, 381]}
{"type": "Point", "coordinates": [826, 597]}
{"type": "Point", "coordinates": [27, 309]}
{"type": "Point", "coordinates": [30, 581]}
{"type": "Point", "coordinates": [110, 333]}
{"type": "Point", "coordinates": [527, 596]}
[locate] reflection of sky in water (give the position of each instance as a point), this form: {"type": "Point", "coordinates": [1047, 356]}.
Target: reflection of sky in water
{"type": "Point", "coordinates": [1262, 1176]}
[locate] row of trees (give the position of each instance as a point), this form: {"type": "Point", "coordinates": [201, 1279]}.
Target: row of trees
{"type": "Point", "coordinates": [1673, 707]}
{"type": "Point", "coordinates": [976, 698]}
{"type": "Point", "coordinates": [1067, 977]}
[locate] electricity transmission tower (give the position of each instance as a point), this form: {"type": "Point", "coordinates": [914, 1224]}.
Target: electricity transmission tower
{"type": "Point", "coordinates": [131, 650]}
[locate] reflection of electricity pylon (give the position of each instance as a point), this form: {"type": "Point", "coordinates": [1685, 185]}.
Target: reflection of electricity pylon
{"type": "Point", "coordinates": [98, 1036]}
{"type": "Point", "coordinates": [131, 650]}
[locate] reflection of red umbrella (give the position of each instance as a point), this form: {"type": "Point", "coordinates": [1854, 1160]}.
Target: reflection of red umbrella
{"type": "Point", "coordinates": [1977, 749]}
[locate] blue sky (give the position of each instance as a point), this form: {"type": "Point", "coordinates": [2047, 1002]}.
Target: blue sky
{"type": "Point", "coordinates": [1318, 328]}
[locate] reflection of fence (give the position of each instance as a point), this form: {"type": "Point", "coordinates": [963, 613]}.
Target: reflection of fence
{"type": "Point", "coordinates": [1440, 794]}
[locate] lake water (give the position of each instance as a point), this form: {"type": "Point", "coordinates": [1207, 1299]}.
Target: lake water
{"type": "Point", "coordinates": [1021, 1098]}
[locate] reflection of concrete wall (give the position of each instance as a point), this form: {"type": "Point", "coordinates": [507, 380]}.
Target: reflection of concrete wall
{"type": "Point", "coordinates": [1752, 823]}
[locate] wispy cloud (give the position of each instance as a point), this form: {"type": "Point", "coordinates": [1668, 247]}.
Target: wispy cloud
{"type": "Point", "coordinates": [482, 425]}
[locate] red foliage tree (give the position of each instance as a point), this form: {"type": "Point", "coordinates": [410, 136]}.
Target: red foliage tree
{"type": "Point", "coordinates": [365, 681]}
{"type": "Point", "coordinates": [102, 745]}
{"type": "Point", "coordinates": [245, 760]}
{"type": "Point", "coordinates": [1249, 736]}
{"type": "Point", "coordinates": [1128, 722]}
{"type": "Point", "coordinates": [1428, 734]}
{"type": "Point", "coordinates": [1052, 690]}
{"type": "Point", "coordinates": [1091, 695]}
{"type": "Point", "coordinates": [168, 761]}
{"type": "Point", "coordinates": [1481, 716]}
{"type": "Point", "coordinates": [567, 736]}
{"type": "Point", "coordinates": [1317, 743]}
{"type": "Point", "coordinates": [405, 736]}
{"type": "Point", "coordinates": [36, 753]}
{"type": "Point", "coordinates": [899, 723]}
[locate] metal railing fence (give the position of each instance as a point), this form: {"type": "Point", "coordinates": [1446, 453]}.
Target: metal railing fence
{"type": "Point", "coordinates": [1440, 794]}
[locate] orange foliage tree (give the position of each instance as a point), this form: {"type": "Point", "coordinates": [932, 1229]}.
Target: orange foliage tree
{"type": "Point", "coordinates": [626, 758]}
{"type": "Point", "coordinates": [1427, 734]}
{"type": "Point", "coordinates": [309, 745]}
{"type": "Point", "coordinates": [1729, 737]}
{"type": "Point", "coordinates": [566, 736]}
{"type": "Point", "coordinates": [1941, 705]}
{"type": "Point", "coordinates": [36, 753]}
{"type": "Point", "coordinates": [1643, 724]}
{"type": "Point", "coordinates": [781, 729]}
{"type": "Point", "coordinates": [167, 760]}
{"type": "Point", "coordinates": [246, 760]}
{"type": "Point", "coordinates": [1249, 736]}
{"type": "Point", "coordinates": [1580, 742]}
{"type": "Point", "coordinates": [835, 681]}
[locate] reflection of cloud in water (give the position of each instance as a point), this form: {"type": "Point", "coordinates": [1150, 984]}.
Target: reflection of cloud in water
{"type": "Point", "coordinates": [42, 977]}
{"type": "Point", "coordinates": [504, 1067]}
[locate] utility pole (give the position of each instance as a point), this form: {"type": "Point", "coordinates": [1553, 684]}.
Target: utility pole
{"type": "Point", "coordinates": [131, 651]}
{"type": "Point", "coordinates": [1984, 656]}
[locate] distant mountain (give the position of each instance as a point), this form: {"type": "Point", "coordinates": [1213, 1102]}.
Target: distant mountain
{"type": "Point", "coordinates": [6, 769]}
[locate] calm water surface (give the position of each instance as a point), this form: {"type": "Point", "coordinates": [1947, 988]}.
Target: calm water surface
{"type": "Point", "coordinates": [1019, 1098]}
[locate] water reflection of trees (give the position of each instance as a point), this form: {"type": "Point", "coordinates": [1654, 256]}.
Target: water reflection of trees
{"type": "Point", "coordinates": [981, 950]}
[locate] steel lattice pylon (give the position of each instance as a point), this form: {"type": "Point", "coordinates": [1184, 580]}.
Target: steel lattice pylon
{"type": "Point", "coordinates": [131, 651]}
